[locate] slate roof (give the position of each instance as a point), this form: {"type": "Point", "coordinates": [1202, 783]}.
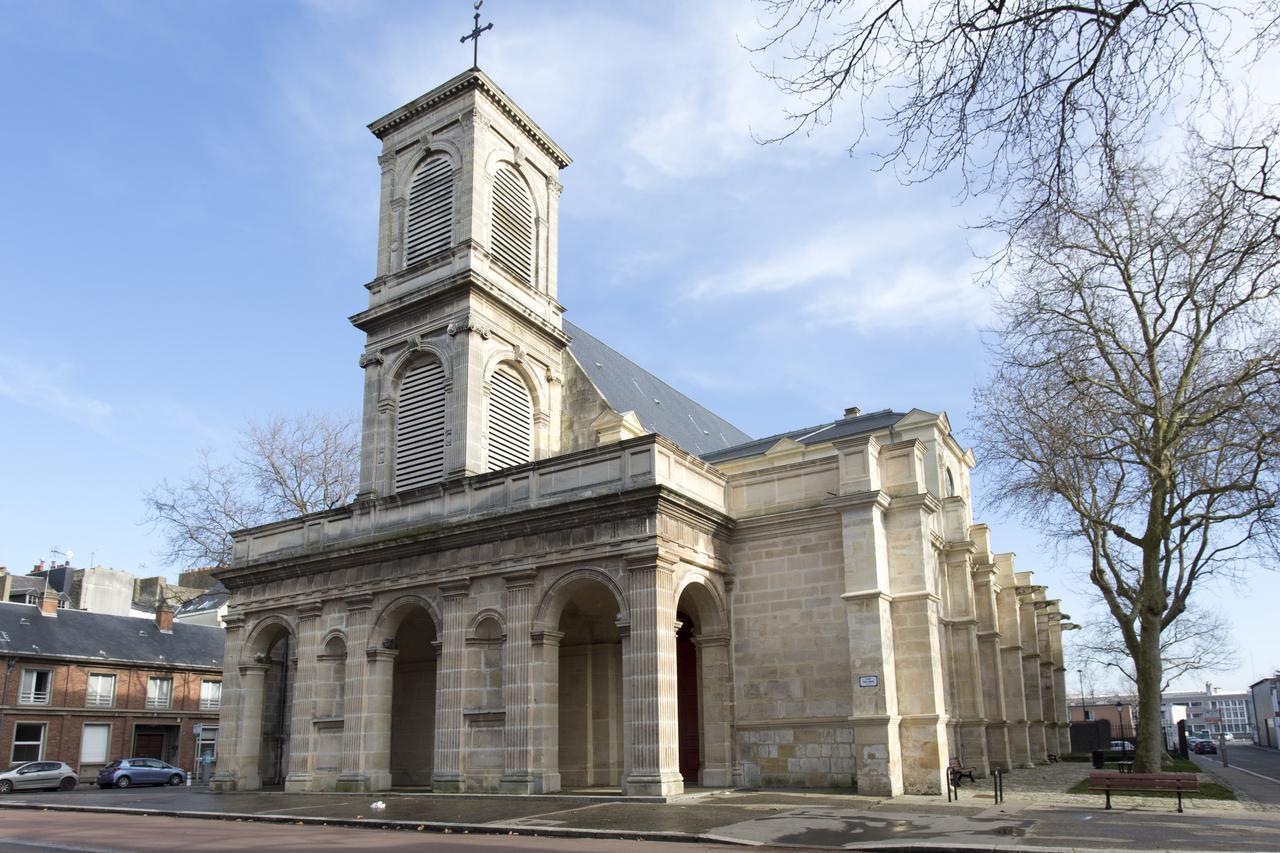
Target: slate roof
{"type": "Point", "coordinates": [870, 422]}
{"type": "Point", "coordinates": [100, 636]}
{"type": "Point", "coordinates": [660, 408]}
{"type": "Point", "coordinates": [213, 598]}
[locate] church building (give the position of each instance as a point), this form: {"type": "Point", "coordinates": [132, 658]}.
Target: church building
{"type": "Point", "coordinates": [562, 573]}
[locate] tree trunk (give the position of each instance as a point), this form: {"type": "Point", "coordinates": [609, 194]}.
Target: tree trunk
{"type": "Point", "coordinates": [1150, 744]}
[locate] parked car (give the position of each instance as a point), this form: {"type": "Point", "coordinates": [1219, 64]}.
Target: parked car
{"type": "Point", "coordinates": [1121, 746]}
{"type": "Point", "coordinates": [49, 775]}
{"type": "Point", "coordinates": [1204, 747]}
{"type": "Point", "coordinates": [140, 771]}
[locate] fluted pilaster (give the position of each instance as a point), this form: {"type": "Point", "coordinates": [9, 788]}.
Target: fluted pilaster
{"type": "Point", "coordinates": [302, 709]}
{"type": "Point", "coordinates": [354, 775]}
{"type": "Point", "coordinates": [517, 686]}
{"type": "Point", "coordinates": [229, 717]}
{"type": "Point", "coordinates": [451, 690]}
{"type": "Point", "coordinates": [651, 672]}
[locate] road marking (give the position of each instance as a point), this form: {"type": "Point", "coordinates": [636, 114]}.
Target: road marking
{"type": "Point", "coordinates": [54, 845]}
{"type": "Point", "coordinates": [1243, 770]}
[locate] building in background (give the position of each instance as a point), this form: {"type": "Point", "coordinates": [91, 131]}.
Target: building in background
{"type": "Point", "coordinates": [88, 688]}
{"type": "Point", "coordinates": [1119, 710]}
{"type": "Point", "coordinates": [1264, 698]}
{"type": "Point", "coordinates": [99, 589]}
{"type": "Point", "coordinates": [1210, 712]}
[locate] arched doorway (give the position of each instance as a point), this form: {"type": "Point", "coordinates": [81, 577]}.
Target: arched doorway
{"type": "Point", "coordinates": [704, 692]}
{"type": "Point", "coordinates": [278, 657]}
{"type": "Point", "coordinates": [413, 700]}
{"type": "Point", "coordinates": [688, 711]}
{"type": "Point", "coordinates": [591, 750]}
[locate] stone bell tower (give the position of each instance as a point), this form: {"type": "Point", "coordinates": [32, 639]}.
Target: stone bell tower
{"type": "Point", "coordinates": [463, 356]}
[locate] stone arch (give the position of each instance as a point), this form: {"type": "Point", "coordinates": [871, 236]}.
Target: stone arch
{"type": "Point", "coordinates": [264, 635]}
{"type": "Point", "coordinates": [474, 630]}
{"type": "Point", "coordinates": [539, 416]}
{"type": "Point", "coordinates": [400, 363]}
{"type": "Point", "coordinates": [581, 630]}
{"type": "Point", "coordinates": [392, 616]}
{"type": "Point", "coordinates": [706, 601]}
{"type": "Point", "coordinates": [537, 188]}
{"type": "Point", "coordinates": [407, 165]}
{"type": "Point", "coordinates": [268, 673]}
{"type": "Point", "coordinates": [553, 601]}
{"type": "Point", "coordinates": [536, 383]}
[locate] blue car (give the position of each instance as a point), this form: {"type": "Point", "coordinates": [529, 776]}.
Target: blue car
{"type": "Point", "coordinates": [140, 771]}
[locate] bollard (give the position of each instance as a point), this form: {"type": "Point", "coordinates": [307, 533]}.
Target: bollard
{"type": "Point", "coordinates": [997, 785]}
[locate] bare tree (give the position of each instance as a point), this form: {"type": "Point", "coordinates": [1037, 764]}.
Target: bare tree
{"type": "Point", "coordinates": [285, 467]}
{"type": "Point", "coordinates": [1134, 409]}
{"type": "Point", "coordinates": [1021, 95]}
{"type": "Point", "coordinates": [1196, 642]}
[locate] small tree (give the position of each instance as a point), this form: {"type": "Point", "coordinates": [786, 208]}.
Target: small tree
{"type": "Point", "coordinates": [285, 467]}
{"type": "Point", "coordinates": [1135, 405]}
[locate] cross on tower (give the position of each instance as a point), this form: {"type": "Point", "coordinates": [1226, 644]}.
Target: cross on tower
{"type": "Point", "coordinates": [475, 36]}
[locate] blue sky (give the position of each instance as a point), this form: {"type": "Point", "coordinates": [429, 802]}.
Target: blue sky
{"type": "Point", "coordinates": [188, 201]}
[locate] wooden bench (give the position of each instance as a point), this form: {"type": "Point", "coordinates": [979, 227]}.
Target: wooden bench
{"type": "Point", "coordinates": [959, 771]}
{"type": "Point", "coordinates": [1053, 757]}
{"type": "Point", "coordinates": [1145, 782]}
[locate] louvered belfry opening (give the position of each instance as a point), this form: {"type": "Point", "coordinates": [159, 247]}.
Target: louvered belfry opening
{"type": "Point", "coordinates": [420, 425]}
{"type": "Point", "coordinates": [429, 228]}
{"type": "Point", "coordinates": [513, 225]}
{"type": "Point", "coordinates": [510, 420]}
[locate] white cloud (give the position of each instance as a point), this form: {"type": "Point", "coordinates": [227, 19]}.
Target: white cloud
{"type": "Point", "coordinates": [854, 275]}
{"type": "Point", "coordinates": [49, 390]}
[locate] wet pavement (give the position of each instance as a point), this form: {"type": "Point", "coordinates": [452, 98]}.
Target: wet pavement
{"type": "Point", "coordinates": [815, 821]}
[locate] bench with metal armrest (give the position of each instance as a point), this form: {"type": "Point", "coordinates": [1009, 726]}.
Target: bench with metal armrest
{"type": "Point", "coordinates": [1180, 783]}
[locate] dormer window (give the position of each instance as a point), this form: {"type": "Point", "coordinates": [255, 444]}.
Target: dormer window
{"type": "Point", "coordinates": [429, 226]}
{"type": "Point", "coordinates": [513, 225]}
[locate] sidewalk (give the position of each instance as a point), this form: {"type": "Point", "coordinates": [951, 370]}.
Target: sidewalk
{"type": "Point", "coordinates": [1030, 819]}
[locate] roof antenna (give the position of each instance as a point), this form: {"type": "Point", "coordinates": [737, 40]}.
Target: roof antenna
{"type": "Point", "coordinates": [475, 36]}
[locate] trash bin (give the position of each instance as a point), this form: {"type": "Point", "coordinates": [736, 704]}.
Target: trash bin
{"type": "Point", "coordinates": [1098, 759]}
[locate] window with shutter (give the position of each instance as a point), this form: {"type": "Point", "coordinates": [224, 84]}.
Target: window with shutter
{"type": "Point", "coordinates": [429, 227]}
{"type": "Point", "coordinates": [420, 419]}
{"type": "Point", "coordinates": [513, 225]}
{"type": "Point", "coordinates": [510, 420]}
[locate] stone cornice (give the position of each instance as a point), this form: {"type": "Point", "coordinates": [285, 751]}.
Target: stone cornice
{"type": "Point", "coordinates": [477, 80]}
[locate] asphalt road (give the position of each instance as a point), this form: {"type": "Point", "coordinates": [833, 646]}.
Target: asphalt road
{"type": "Point", "coordinates": [22, 830]}
{"type": "Point", "coordinates": [1265, 762]}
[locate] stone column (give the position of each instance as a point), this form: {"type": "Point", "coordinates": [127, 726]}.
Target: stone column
{"type": "Point", "coordinates": [544, 719]}
{"type": "Point", "coordinates": [379, 681]}
{"type": "Point", "coordinates": [229, 716]}
{"type": "Point", "coordinates": [651, 671]}
{"type": "Point", "coordinates": [1031, 666]}
{"type": "Point", "coordinates": [354, 775]}
{"type": "Point", "coordinates": [517, 687]}
{"type": "Point", "coordinates": [447, 774]}
{"type": "Point", "coordinates": [302, 709]}
{"type": "Point", "coordinates": [253, 677]}
{"type": "Point", "coordinates": [716, 688]}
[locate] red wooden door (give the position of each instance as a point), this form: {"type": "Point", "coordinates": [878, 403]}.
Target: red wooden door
{"type": "Point", "coordinates": [687, 702]}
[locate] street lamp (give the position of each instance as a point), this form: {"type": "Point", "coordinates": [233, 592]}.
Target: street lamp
{"type": "Point", "coordinates": [1083, 715]}
{"type": "Point", "coordinates": [1120, 722]}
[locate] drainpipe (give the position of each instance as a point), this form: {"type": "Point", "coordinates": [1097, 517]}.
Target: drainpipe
{"type": "Point", "coordinates": [10, 663]}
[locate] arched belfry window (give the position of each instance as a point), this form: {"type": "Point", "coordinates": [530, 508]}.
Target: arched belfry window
{"type": "Point", "coordinates": [510, 440]}
{"type": "Point", "coordinates": [429, 228]}
{"type": "Point", "coordinates": [420, 426]}
{"type": "Point", "coordinates": [513, 224]}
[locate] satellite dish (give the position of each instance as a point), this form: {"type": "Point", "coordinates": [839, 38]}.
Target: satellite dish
{"type": "Point", "coordinates": [70, 554]}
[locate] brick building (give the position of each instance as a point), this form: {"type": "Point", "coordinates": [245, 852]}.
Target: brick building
{"type": "Point", "coordinates": [88, 688]}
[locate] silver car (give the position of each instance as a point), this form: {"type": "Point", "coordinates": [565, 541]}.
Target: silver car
{"type": "Point", "coordinates": [49, 775]}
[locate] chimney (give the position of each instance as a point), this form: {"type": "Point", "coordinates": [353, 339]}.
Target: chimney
{"type": "Point", "coordinates": [49, 601]}
{"type": "Point", "coordinates": [164, 617]}
{"type": "Point", "coordinates": [852, 412]}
